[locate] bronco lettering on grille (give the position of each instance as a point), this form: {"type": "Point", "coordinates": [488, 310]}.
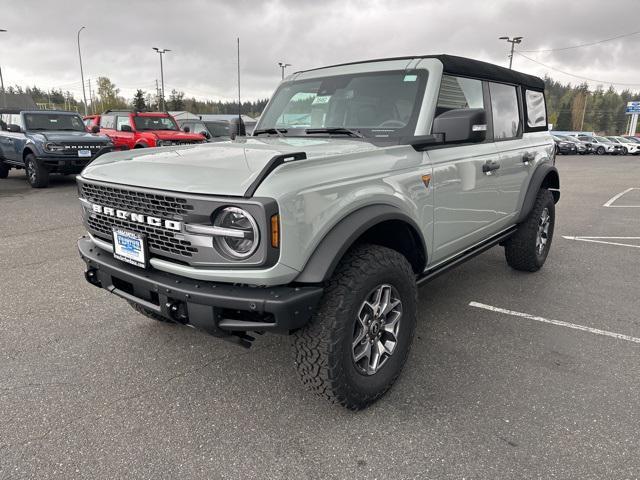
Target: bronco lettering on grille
{"type": "Point", "coordinates": [136, 217]}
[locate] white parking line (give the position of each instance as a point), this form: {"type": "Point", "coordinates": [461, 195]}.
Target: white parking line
{"type": "Point", "coordinates": [609, 202]}
{"type": "Point", "coordinates": [600, 240]}
{"type": "Point", "coordinates": [560, 323]}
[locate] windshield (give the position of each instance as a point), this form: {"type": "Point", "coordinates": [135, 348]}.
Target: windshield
{"type": "Point", "coordinates": [219, 129]}
{"type": "Point", "coordinates": [602, 139]}
{"type": "Point", "coordinates": [53, 121]}
{"type": "Point", "coordinates": [574, 139]}
{"type": "Point", "coordinates": [155, 123]}
{"type": "Point", "coordinates": [376, 104]}
{"type": "Point", "coordinates": [613, 139]}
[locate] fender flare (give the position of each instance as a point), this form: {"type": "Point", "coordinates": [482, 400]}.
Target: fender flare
{"type": "Point", "coordinates": [141, 144]}
{"type": "Point", "coordinates": [545, 175]}
{"type": "Point", "coordinates": [328, 253]}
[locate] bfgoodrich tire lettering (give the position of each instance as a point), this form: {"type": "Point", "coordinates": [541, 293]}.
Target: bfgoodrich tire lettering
{"type": "Point", "coordinates": [324, 349]}
{"type": "Point", "coordinates": [528, 248]}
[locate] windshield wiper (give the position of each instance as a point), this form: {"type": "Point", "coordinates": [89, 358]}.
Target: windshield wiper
{"type": "Point", "coordinates": [335, 130]}
{"type": "Point", "coordinates": [271, 131]}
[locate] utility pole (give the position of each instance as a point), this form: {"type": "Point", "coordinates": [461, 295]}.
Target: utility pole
{"type": "Point", "coordinates": [84, 95]}
{"type": "Point", "coordinates": [162, 51]}
{"type": "Point", "coordinates": [584, 110]}
{"type": "Point", "coordinates": [282, 66]}
{"type": "Point", "coordinates": [513, 41]}
{"type": "Point", "coordinates": [239, 101]}
{"type": "Point", "coordinates": [4, 96]}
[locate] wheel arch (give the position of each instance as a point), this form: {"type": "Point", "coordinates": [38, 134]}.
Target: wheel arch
{"type": "Point", "coordinates": [545, 176]}
{"type": "Point", "coordinates": [383, 225]}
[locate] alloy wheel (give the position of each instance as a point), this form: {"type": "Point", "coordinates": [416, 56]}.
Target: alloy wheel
{"type": "Point", "coordinates": [543, 231]}
{"type": "Point", "coordinates": [375, 334]}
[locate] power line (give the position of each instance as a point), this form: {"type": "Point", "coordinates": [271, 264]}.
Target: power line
{"type": "Point", "coordinates": [583, 44]}
{"type": "Point", "coordinates": [577, 76]}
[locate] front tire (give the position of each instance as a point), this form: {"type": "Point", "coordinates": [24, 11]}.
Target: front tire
{"type": "Point", "coordinates": [37, 174]}
{"type": "Point", "coordinates": [528, 248]}
{"type": "Point", "coordinates": [354, 347]}
{"type": "Point", "coordinates": [600, 151]}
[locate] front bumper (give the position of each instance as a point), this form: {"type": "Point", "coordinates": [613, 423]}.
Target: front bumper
{"type": "Point", "coordinates": [219, 308]}
{"type": "Point", "coordinates": [68, 163]}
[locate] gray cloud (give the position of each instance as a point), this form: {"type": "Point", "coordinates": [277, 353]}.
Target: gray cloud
{"type": "Point", "coordinates": [40, 47]}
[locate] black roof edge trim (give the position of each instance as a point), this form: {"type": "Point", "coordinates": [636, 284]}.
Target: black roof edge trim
{"type": "Point", "coordinates": [464, 66]}
{"type": "Point", "coordinates": [274, 163]}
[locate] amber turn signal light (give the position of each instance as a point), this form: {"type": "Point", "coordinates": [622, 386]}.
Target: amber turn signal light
{"type": "Point", "coordinates": [275, 231]}
{"type": "Point", "coordinates": [426, 179]}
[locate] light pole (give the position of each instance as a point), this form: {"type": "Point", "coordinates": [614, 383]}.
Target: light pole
{"type": "Point", "coordinates": [282, 66]}
{"type": "Point", "coordinates": [84, 95]}
{"type": "Point", "coordinates": [4, 97]}
{"type": "Point", "coordinates": [513, 41]}
{"type": "Point", "coordinates": [161, 51]}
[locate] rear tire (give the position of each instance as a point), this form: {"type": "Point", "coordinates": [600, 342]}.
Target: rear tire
{"type": "Point", "coordinates": [528, 248]}
{"type": "Point", "coordinates": [354, 347]}
{"type": "Point", "coordinates": [4, 170]}
{"type": "Point", "coordinates": [37, 174]}
{"type": "Point", "coordinates": [148, 313]}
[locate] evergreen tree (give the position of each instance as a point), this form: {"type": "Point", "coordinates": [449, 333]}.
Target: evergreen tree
{"type": "Point", "coordinates": [139, 102]}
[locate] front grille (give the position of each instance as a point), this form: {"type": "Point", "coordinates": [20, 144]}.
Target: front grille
{"type": "Point", "coordinates": [74, 147]}
{"type": "Point", "coordinates": [160, 240]}
{"type": "Point", "coordinates": [165, 206]}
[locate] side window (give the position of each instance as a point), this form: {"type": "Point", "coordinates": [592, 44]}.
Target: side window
{"type": "Point", "coordinates": [459, 92]}
{"type": "Point", "coordinates": [123, 121]}
{"type": "Point", "coordinates": [108, 121]}
{"type": "Point", "coordinates": [536, 113]}
{"type": "Point", "coordinates": [506, 116]}
{"type": "Point", "coordinates": [16, 119]}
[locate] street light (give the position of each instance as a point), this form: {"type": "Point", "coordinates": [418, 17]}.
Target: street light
{"type": "Point", "coordinates": [513, 41]}
{"type": "Point", "coordinates": [161, 51]}
{"type": "Point", "coordinates": [283, 65]}
{"type": "Point", "coordinates": [4, 97]}
{"type": "Point", "coordinates": [84, 95]}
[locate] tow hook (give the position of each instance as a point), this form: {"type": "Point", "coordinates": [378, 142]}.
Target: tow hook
{"type": "Point", "coordinates": [177, 312]}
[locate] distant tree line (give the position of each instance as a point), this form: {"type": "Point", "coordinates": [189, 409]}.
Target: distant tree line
{"type": "Point", "coordinates": [603, 112]}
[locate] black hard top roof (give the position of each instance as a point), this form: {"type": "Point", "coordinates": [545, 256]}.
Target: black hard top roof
{"type": "Point", "coordinates": [13, 111]}
{"type": "Point", "coordinates": [467, 67]}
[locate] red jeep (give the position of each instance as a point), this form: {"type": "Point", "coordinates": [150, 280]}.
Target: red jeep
{"type": "Point", "coordinates": [141, 129]}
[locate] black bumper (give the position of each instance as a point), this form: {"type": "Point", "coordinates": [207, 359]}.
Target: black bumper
{"type": "Point", "coordinates": [70, 164]}
{"type": "Point", "coordinates": [218, 308]}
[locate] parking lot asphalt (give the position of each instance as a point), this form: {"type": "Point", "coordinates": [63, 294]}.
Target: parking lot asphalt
{"type": "Point", "coordinates": [91, 389]}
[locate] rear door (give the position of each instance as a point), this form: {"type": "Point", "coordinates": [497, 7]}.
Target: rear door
{"type": "Point", "coordinates": [124, 138]}
{"type": "Point", "coordinates": [108, 128]}
{"type": "Point", "coordinates": [515, 154]}
{"type": "Point", "coordinates": [13, 142]}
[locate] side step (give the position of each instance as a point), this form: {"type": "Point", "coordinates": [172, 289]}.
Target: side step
{"type": "Point", "coordinates": [464, 256]}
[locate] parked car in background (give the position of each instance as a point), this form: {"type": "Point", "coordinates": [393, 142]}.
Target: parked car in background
{"type": "Point", "coordinates": [565, 147]}
{"type": "Point", "coordinates": [632, 138]}
{"type": "Point", "coordinates": [197, 126]}
{"type": "Point", "coordinates": [129, 129]}
{"type": "Point", "coordinates": [221, 125]}
{"type": "Point", "coordinates": [628, 147]}
{"type": "Point", "coordinates": [584, 147]}
{"type": "Point", "coordinates": [45, 142]}
{"type": "Point", "coordinates": [603, 145]}
{"type": "Point", "coordinates": [91, 121]}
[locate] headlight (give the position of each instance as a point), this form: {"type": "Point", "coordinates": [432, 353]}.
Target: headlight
{"type": "Point", "coordinates": [241, 235]}
{"type": "Point", "coordinates": [53, 147]}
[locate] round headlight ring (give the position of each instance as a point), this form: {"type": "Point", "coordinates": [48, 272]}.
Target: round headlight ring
{"type": "Point", "coordinates": [234, 218]}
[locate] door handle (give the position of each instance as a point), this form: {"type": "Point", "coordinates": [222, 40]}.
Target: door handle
{"type": "Point", "coordinates": [489, 166]}
{"type": "Point", "coordinates": [528, 157]}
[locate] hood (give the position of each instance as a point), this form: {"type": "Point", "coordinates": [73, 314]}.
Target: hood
{"type": "Point", "coordinates": [67, 136]}
{"type": "Point", "coordinates": [174, 135]}
{"type": "Point", "coordinates": [223, 168]}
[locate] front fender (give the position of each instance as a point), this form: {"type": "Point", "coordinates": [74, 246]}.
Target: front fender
{"type": "Point", "coordinates": [344, 234]}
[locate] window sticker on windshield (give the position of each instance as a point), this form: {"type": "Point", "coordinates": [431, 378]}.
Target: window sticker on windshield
{"type": "Point", "coordinates": [410, 78]}
{"type": "Point", "coordinates": [321, 99]}
{"type": "Point", "coordinates": [53, 120]}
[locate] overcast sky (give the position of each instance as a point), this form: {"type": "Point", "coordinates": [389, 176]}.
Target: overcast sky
{"type": "Point", "coordinates": [40, 45]}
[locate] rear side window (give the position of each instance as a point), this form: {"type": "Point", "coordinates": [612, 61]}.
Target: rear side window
{"type": "Point", "coordinates": [506, 115]}
{"type": "Point", "coordinates": [108, 121]}
{"type": "Point", "coordinates": [536, 112]}
{"type": "Point", "coordinates": [123, 121]}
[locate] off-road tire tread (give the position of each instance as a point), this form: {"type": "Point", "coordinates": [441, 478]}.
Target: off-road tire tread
{"type": "Point", "coordinates": [518, 250]}
{"type": "Point", "coordinates": [42, 174]}
{"type": "Point", "coordinates": [313, 345]}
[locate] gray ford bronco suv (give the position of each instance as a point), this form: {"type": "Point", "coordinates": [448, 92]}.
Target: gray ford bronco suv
{"type": "Point", "coordinates": [360, 182]}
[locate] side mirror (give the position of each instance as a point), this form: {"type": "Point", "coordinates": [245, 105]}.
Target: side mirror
{"type": "Point", "coordinates": [126, 128]}
{"type": "Point", "coordinates": [12, 127]}
{"type": "Point", "coordinates": [95, 129]}
{"type": "Point", "coordinates": [237, 128]}
{"type": "Point", "coordinates": [462, 125]}
{"type": "Point", "coordinates": [186, 129]}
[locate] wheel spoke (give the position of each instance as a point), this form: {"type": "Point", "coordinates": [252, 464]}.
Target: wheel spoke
{"type": "Point", "coordinates": [364, 352]}
{"type": "Point", "coordinates": [390, 306]}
